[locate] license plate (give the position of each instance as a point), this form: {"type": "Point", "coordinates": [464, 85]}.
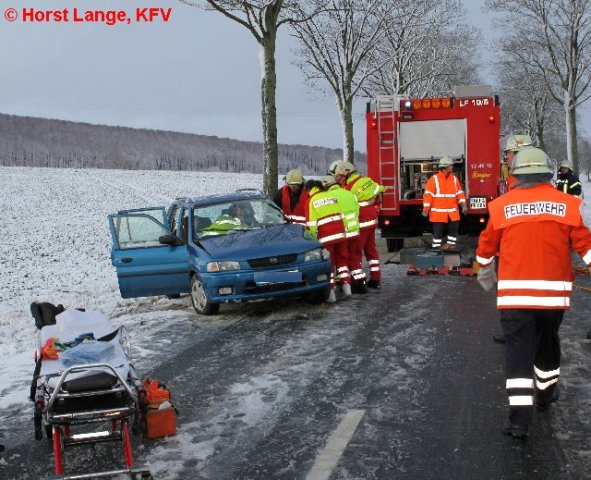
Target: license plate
{"type": "Point", "coordinates": [477, 202]}
{"type": "Point", "coordinates": [266, 278]}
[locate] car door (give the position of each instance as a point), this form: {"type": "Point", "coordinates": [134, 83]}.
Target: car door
{"type": "Point", "coordinates": [145, 267]}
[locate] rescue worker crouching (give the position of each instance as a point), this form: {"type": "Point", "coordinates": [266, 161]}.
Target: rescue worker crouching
{"type": "Point", "coordinates": [325, 222]}
{"type": "Point", "coordinates": [292, 198]}
{"type": "Point", "coordinates": [367, 193]}
{"type": "Point", "coordinates": [441, 199]}
{"type": "Point", "coordinates": [531, 228]}
{"type": "Point", "coordinates": [567, 181]}
{"type": "Point", "coordinates": [350, 210]}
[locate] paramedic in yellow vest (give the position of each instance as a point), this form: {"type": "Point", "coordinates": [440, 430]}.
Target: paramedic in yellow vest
{"type": "Point", "coordinates": [512, 146]}
{"type": "Point", "coordinates": [350, 209]}
{"type": "Point", "coordinates": [442, 199]}
{"type": "Point", "coordinates": [325, 222]}
{"type": "Point", "coordinates": [367, 192]}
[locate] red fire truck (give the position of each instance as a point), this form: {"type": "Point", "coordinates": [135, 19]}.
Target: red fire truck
{"type": "Point", "coordinates": [407, 136]}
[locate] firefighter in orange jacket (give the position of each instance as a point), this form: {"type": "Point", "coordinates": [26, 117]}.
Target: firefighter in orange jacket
{"type": "Point", "coordinates": [367, 192]}
{"type": "Point", "coordinates": [443, 194]}
{"type": "Point", "coordinates": [531, 229]}
{"type": "Point", "coordinates": [292, 198]}
{"type": "Point", "coordinates": [512, 146]}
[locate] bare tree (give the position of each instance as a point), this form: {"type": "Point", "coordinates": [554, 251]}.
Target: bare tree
{"type": "Point", "coordinates": [554, 38]}
{"type": "Point", "coordinates": [263, 18]}
{"type": "Point", "coordinates": [530, 107]}
{"type": "Point", "coordinates": [336, 46]}
{"type": "Point", "coordinates": [426, 50]}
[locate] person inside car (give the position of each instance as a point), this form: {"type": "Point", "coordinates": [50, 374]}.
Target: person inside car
{"type": "Point", "coordinates": [237, 216]}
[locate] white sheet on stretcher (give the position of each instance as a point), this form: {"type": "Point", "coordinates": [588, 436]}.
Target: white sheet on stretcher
{"type": "Point", "coordinates": [69, 325]}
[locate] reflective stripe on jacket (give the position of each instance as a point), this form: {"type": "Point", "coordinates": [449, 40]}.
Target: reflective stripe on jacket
{"type": "Point", "coordinates": [349, 208]}
{"type": "Point", "coordinates": [298, 213]}
{"type": "Point", "coordinates": [531, 229]}
{"type": "Point", "coordinates": [325, 219]}
{"type": "Point", "coordinates": [569, 183]}
{"type": "Point", "coordinates": [365, 191]}
{"type": "Point", "coordinates": [442, 196]}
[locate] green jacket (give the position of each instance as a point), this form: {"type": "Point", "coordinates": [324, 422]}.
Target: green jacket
{"type": "Point", "coordinates": [364, 188]}
{"type": "Point", "coordinates": [349, 207]}
{"type": "Point", "coordinates": [222, 225]}
{"type": "Point", "coordinates": [325, 217]}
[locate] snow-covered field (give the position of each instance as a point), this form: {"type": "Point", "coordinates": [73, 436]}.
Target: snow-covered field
{"type": "Point", "coordinates": [56, 247]}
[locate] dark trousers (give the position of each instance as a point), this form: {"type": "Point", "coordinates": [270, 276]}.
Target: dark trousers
{"type": "Point", "coordinates": [532, 359]}
{"type": "Point", "coordinates": [439, 230]}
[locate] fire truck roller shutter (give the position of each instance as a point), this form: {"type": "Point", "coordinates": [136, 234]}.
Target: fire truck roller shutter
{"type": "Point", "coordinates": [432, 139]}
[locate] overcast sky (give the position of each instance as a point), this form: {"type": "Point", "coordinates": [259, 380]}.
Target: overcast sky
{"type": "Point", "coordinates": [197, 73]}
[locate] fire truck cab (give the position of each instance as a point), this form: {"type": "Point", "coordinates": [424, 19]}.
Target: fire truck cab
{"type": "Point", "coordinates": [406, 137]}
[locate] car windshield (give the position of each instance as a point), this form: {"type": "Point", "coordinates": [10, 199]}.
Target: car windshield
{"type": "Point", "coordinates": [230, 217]}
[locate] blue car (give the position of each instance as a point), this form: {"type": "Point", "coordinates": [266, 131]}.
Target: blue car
{"type": "Point", "coordinates": [224, 248]}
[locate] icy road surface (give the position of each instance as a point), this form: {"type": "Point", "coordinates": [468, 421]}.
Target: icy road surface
{"type": "Point", "coordinates": [405, 383]}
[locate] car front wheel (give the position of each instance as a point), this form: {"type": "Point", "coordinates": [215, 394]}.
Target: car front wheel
{"type": "Point", "coordinates": [201, 303]}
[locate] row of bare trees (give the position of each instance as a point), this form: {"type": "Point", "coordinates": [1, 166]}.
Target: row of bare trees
{"type": "Point", "coordinates": [354, 47]}
{"type": "Point", "coordinates": [544, 65]}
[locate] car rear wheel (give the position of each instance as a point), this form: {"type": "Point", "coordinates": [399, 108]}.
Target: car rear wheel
{"type": "Point", "coordinates": [201, 303]}
{"type": "Point", "coordinates": [318, 297]}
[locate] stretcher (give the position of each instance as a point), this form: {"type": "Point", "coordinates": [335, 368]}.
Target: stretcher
{"type": "Point", "coordinates": [85, 389]}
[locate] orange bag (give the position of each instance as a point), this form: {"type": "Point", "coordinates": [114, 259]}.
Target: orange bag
{"type": "Point", "coordinates": [160, 422]}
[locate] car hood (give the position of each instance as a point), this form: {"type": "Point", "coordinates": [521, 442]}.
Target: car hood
{"type": "Point", "coordinates": [271, 241]}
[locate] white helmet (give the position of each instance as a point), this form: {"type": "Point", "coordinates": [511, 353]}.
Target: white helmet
{"type": "Point", "coordinates": [333, 167]}
{"type": "Point", "coordinates": [345, 168]}
{"type": "Point", "coordinates": [328, 180]}
{"type": "Point", "coordinates": [294, 177]}
{"type": "Point", "coordinates": [445, 162]}
{"type": "Point", "coordinates": [531, 160]}
{"type": "Point", "coordinates": [515, 142]}
{"type": "Point", "coordinates": [566, 164]}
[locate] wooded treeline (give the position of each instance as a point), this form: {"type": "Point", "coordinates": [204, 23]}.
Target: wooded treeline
{"type": "Point", "coordinates": [39, 142]}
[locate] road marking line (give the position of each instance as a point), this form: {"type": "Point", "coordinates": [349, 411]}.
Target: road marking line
{"type": "Point", "coordinates": [328, 457]}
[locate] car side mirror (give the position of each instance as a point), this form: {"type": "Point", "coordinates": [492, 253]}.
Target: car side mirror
{"type": "Point", "coordinates": [170, 239]}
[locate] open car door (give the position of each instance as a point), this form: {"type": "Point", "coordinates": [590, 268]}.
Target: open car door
{"type": "Point", "coordinates": [145, 266]}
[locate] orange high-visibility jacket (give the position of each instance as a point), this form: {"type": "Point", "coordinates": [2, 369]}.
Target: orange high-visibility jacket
{"type": "Point", "coordinates": [532, 229]}
{"type": "Point", "coordinates": [442, 196]}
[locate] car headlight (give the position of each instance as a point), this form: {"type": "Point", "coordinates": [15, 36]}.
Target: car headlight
{"type": "Point", "coordinates": [222, 266]}
{"type": "Point", "coordinates": [316, 254]}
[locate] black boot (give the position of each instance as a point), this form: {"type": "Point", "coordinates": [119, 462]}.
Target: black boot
{"type": "Point", "coordinates": [543, 405]}
{"type": "Point", "coordinates": [374, 284]}
{"type": "Point", "coordinates": [359, 287]}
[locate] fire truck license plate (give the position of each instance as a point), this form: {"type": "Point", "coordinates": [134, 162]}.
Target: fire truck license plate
{"type": "Point", "coordinates": [477, 202]}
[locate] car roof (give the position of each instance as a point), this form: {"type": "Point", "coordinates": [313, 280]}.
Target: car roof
{"type": "Point", "coordinates": [246, 194]}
